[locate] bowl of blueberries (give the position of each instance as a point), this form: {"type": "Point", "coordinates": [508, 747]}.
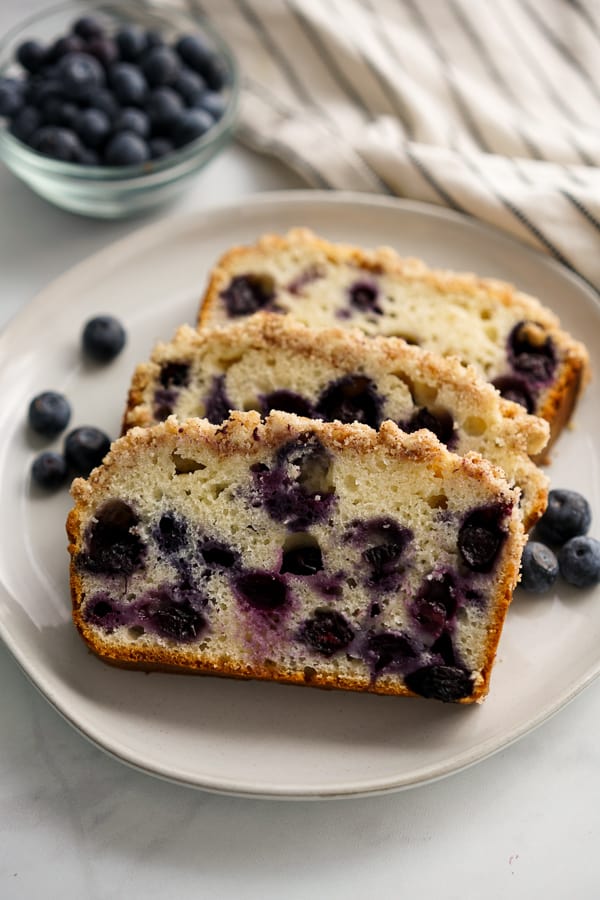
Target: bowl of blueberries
{"type": "Point", "coordinates": [107, 109]}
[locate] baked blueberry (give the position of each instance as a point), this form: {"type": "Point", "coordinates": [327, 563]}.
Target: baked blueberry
{"type": "Point", "coordinates": [567, 515]}
{"type": "Point", "coordinates": [103, 338]}
{"type": "Point", "coordinates": [539, 568]}
{"type": "Point", "coordinates": [134, 120]}
{"type": "Point", "coordinates": [303, 559]}
{"type": "Point", "coordinates": [11, 97]}
{"type": "Point", "coordinates": [480, 538]}
{"type": "Point", "coordinates": [190, 86]}
{"type": "Point", "coordinates": [191, 124]}
{"type": "Point", "coordinates": [363, 296]}
{"type": "Point", "coordinates": [126, 149]}
{"type": "Point", "coordinates": [31, 55]}
{"type": "Point", "coordinates": [112, 543]}
{"type": "Point", "coordinates": [217, 402]}
{"type": "Point", "coordinates": [261, 590]}
{"type": "Point", "coordinates": [515, 389]}
{"type": "Point", "coordinates": [391, 649]}
{"type": "Point", "coordinates": [215, 553]}
{"type": "Point", "coordinates": [286, 401]}
{"type": "Point", "coordinates": [80, 73]}
{"type": "Point", "coordinates": [435, 602]}
{"type": "Point", "coordinates": [439, 422]}
{"type": "Point", "coordinates": [131, 41]}
{"type": "Point", "coordinates": [327, 632]}
{"type": "Point", "coordinates": [160, 66]}
{"type": "Point", "coordinates": [85, 448]}
{"type": "Point", "coordinates": [352, 398]}
{"type": "Point", "coordinates": [49, 413]}
{"type": "Point", "coordinates": [179, 621]}
{"type": "Point", "coordinates": [171, 533]}
{"type": "Point", "coordinates": [49, 470]}
{"type": "Point", "coordinates": [247, 294]}
{"type": "Point", "coordinates": [579, 561]}
{"type": "Point", "coordinates": [175, 374]}
{"type": "Point", "coordinates": [446, 683]}
{"type": "Point", "coordinates": [93, 127]}
{"type": "Point", "coordinates": [128, 83]}
{"type": "Point", "coordinates": [532, 352]}
{"type": "Point", "coordinates": [386, 542]}
{"type": "Point", "coordinates": [164, 106]}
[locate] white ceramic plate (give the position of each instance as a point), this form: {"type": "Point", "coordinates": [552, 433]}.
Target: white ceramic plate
{"type": "Point", "coordinates": [243, 737]}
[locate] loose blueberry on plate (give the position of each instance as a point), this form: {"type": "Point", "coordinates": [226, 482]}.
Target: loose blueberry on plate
{"type": "Point", "coordinates": [579, 561]}
{"type": "Point", "coordinates": [49, 413]}
{"type": "Point", "coordinates": [539, 568]}
{"type": "Point", "coordinates": [85, 448]}
{"type": "Point", "coordinates": [49, 470]}
{"type": "Point", "coordinates": [568, 515]}
{"type": "Point", "coordinates": [103, 338]}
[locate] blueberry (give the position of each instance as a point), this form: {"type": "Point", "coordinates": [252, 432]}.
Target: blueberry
{"type": "Point", "coordinates": [112, 544]}
{"type": "Point", "coordinates": [88, 27]}
{"type": "Point", "coordinates": [126, 149]}
{"type": "Point", "coordinates": [175, 374]}
{"type": "Point", "coordinates": [446, 683]}
{"type": "Point", "coordinates": [439, 422]}
{"type": "Point", "coordinates": [363, 296]}
{"type": "Point", "coordinates": [11, 97]}
{"type": "Point", "coordinates": [388, 649]}
{"type": "Point", "coordinates": [352, 398]}
{"type": "Point", "coordinates": [179, 621]}
{"type": "Point", "coordinates": [190, 86]}
{"type": "Point", "coordinates": [69, 43]}
{"type": "Point", "coordinates": [539, 568]}
{"type": "Point", "coordinates": [214, 104]}
{"type": "Point", "coordinates": [85, 448]}
{"type": "Point", "coordinates": [261, 590]}
{"type": "Point", "coordinates": [218, 554]}
{"type": "Point", "coordinates": [164, 401]}
{"type": "Point", "coordinates": [49, 413]}
{"type": "Point", "coordinates": [215, 72]}
{"type": "Point", "coordinates": [171, 533]}
{"type": "Point", "coordinates": [160, 66]}
{"type": "Point", "coordinates": [49, 470]}
{"type": "Point", "coordinates": [103, 338]}
{"type": "Point", "coordinates": [160, 146]}
{"type": "Point", "coordinates": [194, 51]}
{"type": "Point", "coordinates": [104, 100]}
{"type": "Point", "coordinates": [532, 352]}
{"type": "Point", "coordinates": [286, 401]}
{"type": "Point", "coordinates": [32, 55]}
{"type": "Point", "coordinates": [80, 73]}
{"type": "Point", "coordinates": [444, 648]}
{"type": "Point", "coordinates": [93, 127]}
{"type": "Point", "coordinates": [153, 39]}
{"type": "Point", "coordinates": [164, 106]}
{"type": "Point", "coordinates": [515, 389]}
{"type": "Point", "coordinates": [104, 49]}
{"type": "Point", "coordinates": [217, 403]}
{"type": "Point", "coordinates": [568, 515]}
{"type": "Point", "coordinates": [25, 123]}
{"type": "Point", "coordinates": [40, 88]}
{"type": "Point", "coordinates": [131, 41]}
{"type": "Point", "coordinates": [435, 602]}
{"type": "Point", "coordinates": [57, 111]}
{"type": "Point", "coordinates": [387, 541]}
{"type": "Point", "coordinates": [246, 294]}
{"type": "Point", "coordinates": [327, 632]}
{"type": "Point", "coordinates": [480, 538]}
{"type": "Point", "coordinates": [302, 560]}
{"type": "Point", "coordinates": [128, 83]}
{"type": "Point", "coordinates": [88, 157]}
{"type": "Point", "coordinates": [57, 143]}
{"type": "Point", "coordinates": [132, 119]}
{"type": "Point", "coordinates": [579, 561]}
{"type": "Point", "coordinates": [191, 124]}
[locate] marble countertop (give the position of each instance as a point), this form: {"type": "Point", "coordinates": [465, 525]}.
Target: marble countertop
{"type": "Point", "coordinates": [75, 823]}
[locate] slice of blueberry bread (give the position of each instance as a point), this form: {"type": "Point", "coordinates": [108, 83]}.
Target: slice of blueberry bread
{"type": "Point", "coordinates": [297, 551]}
{"type": "Point", "coordinates": [509, 337]}
{"type": "Point", "coordinates": [273, 362]}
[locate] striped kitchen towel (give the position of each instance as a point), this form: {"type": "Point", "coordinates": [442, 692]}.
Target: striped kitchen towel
{"type": "Point", "coordinates": [490, 108]}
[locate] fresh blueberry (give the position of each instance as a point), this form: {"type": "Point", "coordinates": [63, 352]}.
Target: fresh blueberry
{"type": "Point", "coordinates": [389, 649]}
{"type": "Point", "coordinates": [539, 568]}
{"type": "Point", "coordinates": [246, 294]}
{"type": "Point", "coordinates": [191, 124]}
{"type": "Point", "coordinates": [175, 374]}
{"type": "Point", "coordinates": [327, 632]}
{"type": "Point", "coordinates": [49, 470]}
{"type": "Point", "coordinates": [219, 555]}
{"type": "Point", "coordinates": [193, 51]}
{"type": "Point", "coordinates": [32, 55]}
{"type": "Point", "coordinates": [131, 41]}
{"type": "Point", "coordinates": [85, 448]}
{"type": "Point", "coordinates": [26, 123]}
{"type": "Point", "coordinates": [480, 538]}
{"type": "Point", "coordinates": [440, 423]}
{"type": "Point", "coordinates": [579, 561]}
{"type": "Point", "coordinates": [363, 296]}
{"type": "Point", "coordinates": [11, 97]}
{"type": "Point", "coordinates": [215, 72]}
{"type": "Point", "coordinates": [568, 515]}
{"type": "Point", "coordinates": [104, 49]}
{"type": "Point", "coordinates": [179, 621]}
{"type": "Point", "coordinates": [79, 74]}
{"type": "Point", "coordinates": [435, 602]}
{"type": "Point", "coordinates": [159, 147]}
{"type": "Point", "coordinates": [160, 66]}
{"type": "Point", "coordinates": [352, 398]}
{"type": "Point", "coordinates": [132, 119]}
{"type": "Point", "coordinates": [153, 39]}
{"type": "Point", "coordinates": [532, 352]}
{"type": "Point", "coordinates": [40, 88]}
{"type": "Point", "coordinates": [171, 533]}
{"type": "Point", "coordinates": [49, 413]}
{"type": "Point", "coordinates": [57, 111]}
{"type": "Point", "coordinates": [261, 590]}
{"type": "Point", "coordinates": [513, 388]}
{"type": "Point", "coordinates": [69, 43]}
{"type": "Point", "coordinates": [190, 86]}
{"type": "Point", "coordinates": [93, 127]}
{"type": "Point", "coordinates": [217, 403]}
{"type": "Point", "coordinates": [446, 683]}
{"type": "Point", "coordinates": [128, 83]}
{"type": "Point", "coordinates": [103, 338]}
{"type": "Point", "coordinates": [104, 100]}
{"type": "Point", "coordinates": [126, 149]}
{"type": "Point", "coordinates": [302, 560]}
{"type": "Point", "coordinates": [88, 27]}
{"type": "Point", "coordinates": [88, 157]}
{"type": "Point", "coordinates": [57, 143]}
{"type": "Point", "coordinates": [164, 106]}
{"type": "Point", "coordinates": [214, 104]}
{"type": "Point", "coordinates": [286, 401]}
{"type": "Point", "coordinates": [112, 543]}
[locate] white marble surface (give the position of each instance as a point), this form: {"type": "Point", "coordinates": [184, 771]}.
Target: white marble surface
{"type": "Point", "coordinates": [75, 823]}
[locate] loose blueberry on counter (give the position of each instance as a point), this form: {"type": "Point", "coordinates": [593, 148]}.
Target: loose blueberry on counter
{"type": "Point", "coordinates": [126, 149]}
{"type": "Point", "coordinates": [49, 470]}
{"type": "Point", "coordinates": [352, 398]}
{"type": "Point", "coordinates": [112, 546]}
{"type": "Point", "coordinates": [327, 632]}
{"type": "Point", "coordinates": [539, 568]}
{"type": "Point", "coordinates": [85, 448]}
{"type": "Point", "coordinates": [246, 294]}
{"type": "Point", "coordinates": [481, 536]}
{"type": "Point", "coordinates": [128, 83]}
{"type": "Point", "coordinates": [80, 73]}
{"type": "Point", "coordinates": [132, 119]}
{"type": "Point", "coordinates": [191, 124]}
{"type": "Point", "coordinates": [445, 683]}
{"type": "Point", "coordinates": [261, 590]}
{"type": "Point", "coordinates": [32, 55]}
{"type": "Point", "coordinates": [567, 515]}
{"type": "Point", "coordinates": [579, 561]}
{"type": "Point", "coordinates": [58, 143]}
{"type": "Point", "coordinates": [49, 413]}
{"type": "Point", "coordinates": [103, 338]}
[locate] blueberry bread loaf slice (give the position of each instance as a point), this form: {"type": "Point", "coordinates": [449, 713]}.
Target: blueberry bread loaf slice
{"type": "Point", "coordinates": [509, 337]}
{"type": "Point", "coordinates": [273, 362]}
{"type": "Point", "coordinates": [296, 551]}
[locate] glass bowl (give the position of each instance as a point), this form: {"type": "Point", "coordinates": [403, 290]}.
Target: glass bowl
{"type": "Point", "coordinates": [116, 191]}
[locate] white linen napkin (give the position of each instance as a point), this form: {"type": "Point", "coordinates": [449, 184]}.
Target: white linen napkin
{"type": "Point", "coordinates": [490, 108]}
